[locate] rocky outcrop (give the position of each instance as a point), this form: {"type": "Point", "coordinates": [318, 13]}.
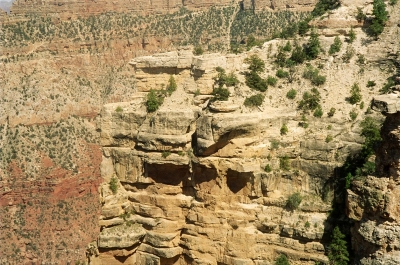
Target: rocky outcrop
{"type": "Point", "coordinates": [82, 8]}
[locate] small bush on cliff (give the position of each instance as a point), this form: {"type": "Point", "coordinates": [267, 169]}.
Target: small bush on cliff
{"type": "Point", "coordinates": [254, 101]}
{"type": "Point", "coordinates": [338, 253]}
{"type": "Point", "coordinates": [310, 100]}
{"type": "Point", "coordinates": [114, 185]}
{"type": "Point", "coordinates": [198, 50]}
{"type": "Point", "coordinates": [221, 94]}
{"type": "Point", "coordinates": [380, 18]}
{"type": "Point", "coordinates": [119, 109]}
{"type": "Point", "coordinates": [291, 94]}
{"type": "Point", "coordinates": [282, 260]}
{"type": "Point", "coordinates": [171, 87]}
{"type": "Point", "coordinates": [284, 163]}
{"type": "Point", "coordinates": [225, 79]}
{"type": "Point", "coordinates": [284, 129]}
{"type": "Point", "coordinates": [154, 101]}
{"type": "Point", "coordinates": [355, 94]}
{"type": "Point", "coordinates": [254, 81]}
{"type": "Point", "coordinates": [336, 45]}
{"type": "Point", "coordinates": [282, 74]}
{"type": "Point", "coordinates": [293, 201]}
{"type": "Point", "coordinates": [255, 63]}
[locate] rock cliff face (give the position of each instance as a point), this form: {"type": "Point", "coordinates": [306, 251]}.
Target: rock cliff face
{"type": "Point", "coordinates": [191, 184]}
{"type": "Point", "coordinates": [82, 8]}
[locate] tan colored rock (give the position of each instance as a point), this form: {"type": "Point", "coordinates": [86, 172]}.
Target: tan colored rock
{"type": "Point", "coordinates": [121, 236]}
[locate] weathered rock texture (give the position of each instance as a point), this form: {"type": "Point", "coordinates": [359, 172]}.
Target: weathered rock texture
{"type": "Point", "coordinates": [66, 9]}
{"type": "Point", "coordinates": [191, 182]}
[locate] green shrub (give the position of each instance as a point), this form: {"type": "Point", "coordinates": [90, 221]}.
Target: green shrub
{"type": "Point", "coordinates": [221, 94]}
{"type": "Point", "coordinates": [298, 55]}
{"type": "Point", "coordinates": [252, 42]}
{"type": "Point", "coordinates": [355, 94]}
{"type": "Point", "coordinates": [291, 94]}
{"type": "Point", "coordinates": [318, 112]}
{"type": "Point", "coordinates": [361, 59]}
{"type": "Point", "coordinates": [313, 47]}
{"type": "Point", "coordinates": [282, 260]}
{"type": "Point", "coordinates": [329, 138]}
{"type": "Point", "coordinates": [303, 27]}
{"type": "Point", "coordinates": [313, 75]}
{"type": "Point", "coordinates": [223, 79]}
{"type": "Point", "coordinates": [282, 73]}
{"type": "Point", "coordinates": [380, 18]}
{"type": "Point", "coordinates": [331, 112]}
{"type": "Point", "coordinates": [254, 81]}
{"type": "Point", "coordinates": [198, 50]}
{"type": "Point", "coordinates": [336, 45]}
{"type": "Point", "coordinates": [370, 129]}
{"type": "Point", "coordinates": [254, 101]}
{"type": "Point", "coordinates": [119, 109]}
{"type": "Point", "coordinates": [371, 83]}
{"type": "Point", "coordinates": [114, 185]}
{"type": "Point", "coordinates": [294, 200]}
{"type": "Point", "coordinates": [310, 100]}
{"type": "Point", "coordinates": [352, 35]}
{"type": "Point", "coordinates": [287, 47]}
{"type": "Point", "coordinates": [324, 5]}
{"type": "Point", "coordinates": [171, 87]}
{"type": "Point", "coordinates": [255, 63]}
{"type": "Point", "coordinates": [362, 105]}
{"type": "Point", "coordinates": [165, 154]}
{"type": "Point", "coordinates": [337, 250]}
{"type": "Point", "coordinates": [267, 168]}
{"type": "Point", "coordinates": [360, 15]}
{"type": "Point", "coordinates": [348, 54]}
{"type": "Point", "coordinates": [284, 129]}
{"type": "Point", "coordinates": [271, 80]}
{"type": "Point", "coordinates": [281, 58]}
{"type": "Point", "coordinates": [307, 224]}
{"type": "Point", "coordinates": [274, 144]}
{"type": "Point", "coordinates": [154, 101]}
{"type": "Point", "coordinates": [388, 86]}
{"type": "Point", "coordinates": [284, 163]}
{"type": "Point", "coordinates": [303, 122]}
{"type": "Point", "coordinates": [393, 2]}
{"type": "Point", "coordinates": [353, 114]}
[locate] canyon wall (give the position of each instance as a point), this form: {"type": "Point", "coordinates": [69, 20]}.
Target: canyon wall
{"type": "Point", "coordinates": [82, 8]}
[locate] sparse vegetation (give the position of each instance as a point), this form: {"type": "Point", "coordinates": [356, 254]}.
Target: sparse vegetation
{"type": "Point", "coordinates": [284, 163]}
{"type": "Point", "coordinates": [165, 154]}
{"type": "Point", "coordinates": [172, 86]}
{"type": "Point", "coordinates": [198, 50]}
{"type": "Point", "coordinates": [310, 100]}
{"type": "Point", "coordinates": [154, 100]}
{"type": "Point", "coordinates": [267, 168]}
{"type": "Point", "coordinates": [352, 35]}
{"type": "Point", "coordinates": [294, 200]}
{"type": "Point", "coordinates": [355, 94]}
{"type": "Point", "coordinates": [119, 109]}
{"type": "Point", "coordinates": [331, 112]}
{"type": "Point", "coordinates": [282, 73]}
{"type": "Point", "coordinates": [329, 138]}
{"type": "Point", "coordinates": [336, 45]}
{"type": "Point", "coordinates": [353, 115]}
{"type": "Point", "coordinates": [313, 75]}
{"type": "Point", "coordinates": [318, 112]}
{"type": "Point", "coordinates": [284, 129]}
{"type": "Point", "coordinates": [282, 260]}
{"type": "Point", "coordinates": [291, 94]}
{"type": "Point", "coordinates": [313, 47]}
{"type": "Point", "coordinates": [221, 94]}
{"type": "Point", "coordinates": [271, 80]}
{"type": "Point", "coordinates": [114, 185]}
{"type": "Point", "coordinates": [380, 18]}
{"type": "Point", "coordinates": [371, 83]}
{"type": "Point", "coordinates": [254, 101]}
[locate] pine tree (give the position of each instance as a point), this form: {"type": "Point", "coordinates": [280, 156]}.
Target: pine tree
{"type": "Point", "coordinates": [338, 254]}
{"type": "Point", "coordinates": [313, 46]}
{"type": "Point", "coordinates": [380, 17]}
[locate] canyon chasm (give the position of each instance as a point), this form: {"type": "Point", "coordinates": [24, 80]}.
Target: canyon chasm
{"type": "Point", "coordinates": [88, 175]}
